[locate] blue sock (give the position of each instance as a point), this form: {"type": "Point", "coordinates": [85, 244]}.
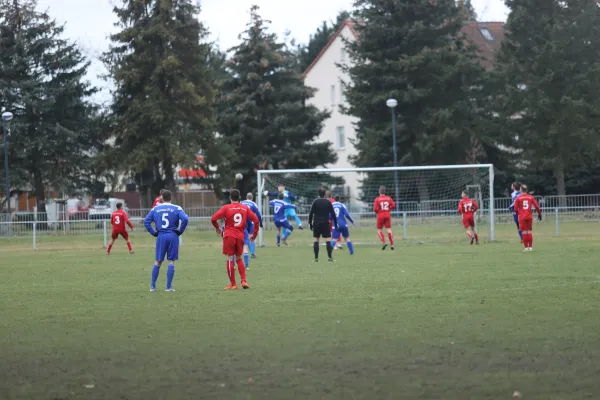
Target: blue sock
{"type": "Point", "coordinates": [278, 238]}
{"type": "Point", "coordinates": [155, 272]}
{"type": "Point", "coordinates": [521, 235]}
{"type": "Point", "coordinates": [252, 248]}
{"type": "Point", "coordinates": [246, 260]}
{"type": "Point", "coordinates": [287, 235]}
{"type": "Point", "coordinates": [170, 275]}
{"type": "Point", "coordinates": [297, 219]}
{"type": "Point", "coordinates": [350, 247]}
{"type": "Point", "coordinates": [283, 231]}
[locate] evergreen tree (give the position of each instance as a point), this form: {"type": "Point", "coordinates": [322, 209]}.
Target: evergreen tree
{"type": "Point", "coordinates": [318, 40]}
{"type": "Point", "coordinates": [550, 63]}
{"type": "Point", "coordinates": [163, 98]}
{"type": "Point", "coordinates": [415, 52]}
{"type": "Point", "coordinates": [42, 83]}
{"type": "Point", "coordinates": [468, 11]}
{"type": "Point", "coordinates": [263, 113]}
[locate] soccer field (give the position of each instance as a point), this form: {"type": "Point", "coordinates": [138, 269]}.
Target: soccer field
{"type": "Point", "coordinates": [437, 320]}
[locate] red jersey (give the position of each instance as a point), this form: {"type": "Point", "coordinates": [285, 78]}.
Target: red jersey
{"type": "Point", "coordinates": [467, 207]}
{"type": "Point", "coordinates": [332, 200]}
{"type": "Point", "coordinates": [157, 201]}
{"type": "Point", "coordinates": [524, 204]}
{"type": "Point", "coordinates": [383, 205]}
{"type": "Point", "coordinates": [118, 220]}
{"type": "Point", "coordinates": [235, 216]}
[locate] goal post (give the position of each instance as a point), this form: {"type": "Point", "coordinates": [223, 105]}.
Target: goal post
{"type": "Point", "coordinates": [428, 195]}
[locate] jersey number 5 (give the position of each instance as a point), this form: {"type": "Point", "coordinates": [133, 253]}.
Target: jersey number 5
{"type": "Point", "coordinates": [237, 219]}
{"type": "Point", "coordinates": [525, 204]}
{"type": "Point", "coordinates": [385, 206]}
{"type": "Point", "coordinates": [165, 220]}
{"type": "Point", "coordinates": [117, 220]}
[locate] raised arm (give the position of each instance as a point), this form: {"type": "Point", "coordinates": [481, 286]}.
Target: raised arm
{"type": "Point", "coordinates": [148, 223]}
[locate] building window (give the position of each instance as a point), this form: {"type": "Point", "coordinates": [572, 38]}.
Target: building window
{"type": "Point", "coordinates": [486, 34]}
{"type": "Point", "coordinates": [342, 95]}
{"type": "Point", "coordinates": [341, 137]}
{"type": "Point", "coordinates": [342, 55]}
{"type": "Point", "coordinates": [332, 95]}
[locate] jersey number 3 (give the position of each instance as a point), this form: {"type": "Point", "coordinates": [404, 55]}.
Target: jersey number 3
{"type": "Point", "coordinates": [117, 220]}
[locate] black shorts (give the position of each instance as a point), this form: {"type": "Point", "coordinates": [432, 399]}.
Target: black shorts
{"type": "Point", "coordinates": [322, 230]}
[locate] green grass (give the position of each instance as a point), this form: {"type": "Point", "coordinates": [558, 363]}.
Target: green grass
{"type": "Point", "coordinates": [438, 320]}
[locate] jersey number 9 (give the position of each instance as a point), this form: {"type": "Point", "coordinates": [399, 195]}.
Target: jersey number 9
{"type": "Point", "coordinates": [237, 219]}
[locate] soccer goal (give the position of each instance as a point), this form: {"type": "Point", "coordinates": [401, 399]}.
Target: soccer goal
{"type": "Point", "coordinates": [427, 197]}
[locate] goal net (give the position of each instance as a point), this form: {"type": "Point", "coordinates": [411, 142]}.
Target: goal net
{"type": "Point", "coordinates": [427, 198]}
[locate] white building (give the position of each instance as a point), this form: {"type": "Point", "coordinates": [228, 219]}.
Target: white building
{"type": "Point", "coordinates": [325, 75]}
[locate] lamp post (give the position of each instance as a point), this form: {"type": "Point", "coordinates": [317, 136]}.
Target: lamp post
{"type": "Point", "coordinates": [392, 103]}
{"type": "Point", "coordinates": [6, 117]}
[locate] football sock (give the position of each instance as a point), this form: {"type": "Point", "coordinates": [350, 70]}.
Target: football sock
{"type": "Point", "coordinates": [230, 272]}
{"type": "Point", "coordinates": [316, 249]}
{"type": "Point", "coordinates": [252, 248]}
{"type": "Point", "coordinates": [109, 247]}
{"type": "Point", "coordinates": [391, 238]}
{"type": "Point", "coordinates": [329, 249]}
{"type": "Point", "coordinates": [155, 272]}
{"type": "Point", "coordinates": [476, 237]}
{"type": "Point", "coordinates": [241, 270]}
{"type": "Point", "coordinates": [381, 237]}
{"type": "Point", "coordinates": [246, 259]}
{"type": "Point", "coordinates": [350, 247]}
{"type": "Point", "coordinates": [278, 238]}
{"type": "Point", "coordinates": [129, 246]}
{"type": "Point", "coordinates": [530, 240]}
{"type": "Point", "coordinates": [521, 235]}
{"type": "Point", "coordinates": [287, 233]}
{"type": "Point", "coordinates": [170, 275]}
{"type": "Point", "coordinates": [469, 234]}
{"type": "Point", "coordinates": [297, 219]}
{"type": "Point", "coordinates": [525, 240]}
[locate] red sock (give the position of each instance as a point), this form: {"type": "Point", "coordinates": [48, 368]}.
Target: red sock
{"type": "Point", "coordinates": [129, 246]}
{"type": "Point", "coordinates": [526, 240]}
{"type": "Point", "coordinates": [391, 238]}
{"type": "Point", "coordinates": [109, 247]}
{"type": "Point", "coordinates": [241, 269]}
{"type": "Point", "coordinates": [531, 240]}
{"type": "Point", "coordinates": [381, 237]}
{"type": "Point", "coordinates": [230, 272]}
{"type": "Point", "coordinates": [339, 240]}
{"type": "Point", "coordinates": [476, 237]}
{"type": "Point", "coordinates": [469, 234]}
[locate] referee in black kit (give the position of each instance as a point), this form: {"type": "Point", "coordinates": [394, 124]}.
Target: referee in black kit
{"type": "Point", "coordinates": [318, 220]}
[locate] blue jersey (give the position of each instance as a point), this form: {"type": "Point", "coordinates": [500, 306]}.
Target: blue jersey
{"type": "Point", "coordinates": [167, 218]}
{"type": "Point", "coordinates": [288, 196]}
{"type": "Point", "coordinates": [514, 197]}
{"type": "Point", "coordinates": [254, 208]}
{"type": "Point", "coordinates": [279, 207]}
{"type": "Point", "coordinates": [341, 212]}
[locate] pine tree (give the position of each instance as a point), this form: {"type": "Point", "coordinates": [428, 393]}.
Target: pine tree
{"type": "Point", "coordinates": [263, 113]}
{"type": "Point", "coordinates": [550, 63]}
{"type": "Point", "coordinates": [414, 51]}
{"type": "Point", "coordinates": [163, 98]}
{"type": "Point", "coordinates": [42, 83]}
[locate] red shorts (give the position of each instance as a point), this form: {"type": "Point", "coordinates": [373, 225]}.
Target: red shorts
{"type": "Point", "coordinates": [469, 222]}
{"type": "Point", "coordinates": [115, 235]}
{"type": "Point", "coordinates": [384, 222]}
{"type": "Point", "coordinates": [233, 246]}
{"type": "Point", "coordinates": [525, 223]}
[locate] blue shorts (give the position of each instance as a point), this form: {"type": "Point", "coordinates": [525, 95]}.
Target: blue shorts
{"type": "Point", "coordinates": [342, 230]}
{"type": "Point", "coordinates": [167, 244]}
{"type": "Point", "coordinates": [283, 224]}
{"type": "Point", "coordinates": [290, 212]}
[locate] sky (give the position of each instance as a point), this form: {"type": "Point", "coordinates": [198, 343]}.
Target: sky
{"type": "Point", "coordinates": [89, 22]}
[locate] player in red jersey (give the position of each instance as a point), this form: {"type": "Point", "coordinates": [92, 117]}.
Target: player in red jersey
{"type": "Point", "coordinates": [524, 204]}
{"type": "Point", "coordinates": [382, 207]}
{"type": "Point", "coordinates": [118, 220]}
{"type": "Point", "coordinates": [235, 216]}
{"type": "Point", "coordinates": [467, 208]}
{"type": "Point", "coordinates": [159, 199]}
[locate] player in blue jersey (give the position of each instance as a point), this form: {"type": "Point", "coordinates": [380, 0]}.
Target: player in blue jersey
{"type": "Point", "coordinates": [250, 247]}
{"type": "Point", "coordinates": [289, 198]}
{"type": "Point", "coordinates": [516, 191]}
{"type": "Point", "coordinates": [280, 219]}
{"type": "Point", "coordinates": [170, 222]}
{"type": "Point", "coordinates": [342, 214]}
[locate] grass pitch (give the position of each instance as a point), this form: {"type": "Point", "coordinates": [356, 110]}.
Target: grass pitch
{"type": "Point", "coordinates": [438, 320]}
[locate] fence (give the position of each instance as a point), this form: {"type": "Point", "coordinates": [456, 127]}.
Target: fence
{"type": "Point", "coordinates": [557, 210]}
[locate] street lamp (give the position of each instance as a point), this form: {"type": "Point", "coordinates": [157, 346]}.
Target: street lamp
{"type": "Point", "coordinates": [392, 103]}
{"type": "Point", "coordinates": [6, 117]}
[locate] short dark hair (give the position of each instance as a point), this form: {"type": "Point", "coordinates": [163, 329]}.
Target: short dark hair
{"type": "Point", "coordinates": [166, 195]}
{"type": "Point", "coordinates": [321, 192]}
{"type": "Point", "coordinates": [280, 195]}
{"type": "Point", "coordinates": [381, 189]}
{"type": "Point", "coordinates": [119, 206]}
{"type": "Point", "coordinates": [162, 191]}
{"type": "Point", "coordinates": [234, 195]}
{"type": "Point", "coordinates": [337, 197]}
{"type": "Point", "coordinates": [523, 189]}
{"type": "Point", "coordinates": [516, 185]}
{"type": "Point", "coordinates": [465, 192]}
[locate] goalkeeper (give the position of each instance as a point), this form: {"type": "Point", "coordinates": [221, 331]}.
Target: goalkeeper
{"type": "Point", "coordinates": [289, 198]}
